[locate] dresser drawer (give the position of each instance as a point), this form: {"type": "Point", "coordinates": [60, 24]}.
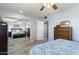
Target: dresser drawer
{"type": "Point", "coordinates": [63, 33]}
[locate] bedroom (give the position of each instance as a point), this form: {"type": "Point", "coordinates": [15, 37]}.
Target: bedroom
{"type": "Point", "coordinates": [66, 13]}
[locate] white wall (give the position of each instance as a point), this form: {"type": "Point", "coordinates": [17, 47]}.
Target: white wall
{"type": "Point", "coordinates": [40, 30]}
{"type": "Point", "coordinates": [72, 15]}
{"type": "Point", "coordinates": [37, 30]}
{"type": "Point", "coordinates": [33, 30]}
{"type": "Point", "coordinates": [22, 25]}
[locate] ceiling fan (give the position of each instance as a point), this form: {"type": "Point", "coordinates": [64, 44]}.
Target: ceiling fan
{"type": "Point", "coordinates": [54, 6]}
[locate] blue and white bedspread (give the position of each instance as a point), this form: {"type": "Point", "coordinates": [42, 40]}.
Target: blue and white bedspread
{"type": "Point", "coordinates": [56, 47]}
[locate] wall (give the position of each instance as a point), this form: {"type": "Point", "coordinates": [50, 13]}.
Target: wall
{"type": "Point", "coordinates": [37, 30]}
{"type": "Point", "coordinates": [40, 30]}
{"type": "Point", "coordinates": [72, 15]}
{"type": "Point", "coordinates": [33, 30]}
{"type": "Point", "coordinates": [19, 24]}
{"type": "Point", "coordinates": [22, 25]}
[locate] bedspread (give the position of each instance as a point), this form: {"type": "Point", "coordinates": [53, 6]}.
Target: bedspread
{"type": "Point", "coordinates": [56, 47]}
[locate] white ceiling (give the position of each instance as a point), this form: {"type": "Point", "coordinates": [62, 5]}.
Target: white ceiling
{"type": "Point", "coordinates": [33, 9]}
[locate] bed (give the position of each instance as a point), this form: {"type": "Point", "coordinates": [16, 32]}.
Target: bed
{"type": "Point", "coordinates": [17, 33]}
{"type": "Point", "coordinates": [56, 47]}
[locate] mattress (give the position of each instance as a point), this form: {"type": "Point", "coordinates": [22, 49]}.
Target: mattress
{"type": "Point", "coordinates": [56, 47]}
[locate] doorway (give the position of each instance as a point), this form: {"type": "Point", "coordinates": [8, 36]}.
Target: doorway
{"type": "Point", "coordinates": [46, 30]}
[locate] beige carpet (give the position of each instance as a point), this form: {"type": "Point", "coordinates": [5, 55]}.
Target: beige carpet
{"type": "Point", "coordinates": [21, 46]}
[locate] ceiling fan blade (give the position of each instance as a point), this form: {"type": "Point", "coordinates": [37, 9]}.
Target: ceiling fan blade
{"type": "Point", "coordinates": [42, 8]}
{"type": "Point", "coordinates": [54, 7]}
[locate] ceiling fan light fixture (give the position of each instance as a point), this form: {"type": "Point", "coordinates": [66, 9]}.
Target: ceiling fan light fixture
{"type": "Point", "coordinates": [44, 4]}
{"type": "Point", "coordinates": [52, 4]}
{"type": "Point", "coordinates": [48, 5]}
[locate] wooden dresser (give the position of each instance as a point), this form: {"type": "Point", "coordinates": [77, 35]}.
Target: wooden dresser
{"type": "Point", "coordinates": [63, 33]}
